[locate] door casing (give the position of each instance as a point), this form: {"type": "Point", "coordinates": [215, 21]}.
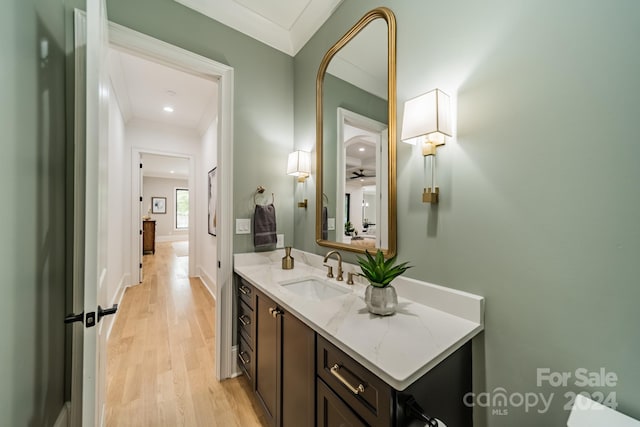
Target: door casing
{"type": "Point", "coordinates": [163, 52]}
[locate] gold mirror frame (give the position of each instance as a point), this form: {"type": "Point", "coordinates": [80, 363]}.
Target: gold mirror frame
{"type": "Point", "coordinates": [389, 17]}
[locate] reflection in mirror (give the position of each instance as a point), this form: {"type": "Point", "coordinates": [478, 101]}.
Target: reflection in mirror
{"type": "Point", "coordinates": [361, 168]}
{"type": "Point", "coordinates": [356, 138]}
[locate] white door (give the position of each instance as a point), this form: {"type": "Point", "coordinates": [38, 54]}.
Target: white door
{"type": "Point", "coordinates": [90, 266]}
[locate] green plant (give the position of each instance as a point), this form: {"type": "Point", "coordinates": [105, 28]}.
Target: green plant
{"type": "Point", "coordinates": [379, 272]}
{"type": "Point", "coordinates": [348, 228]}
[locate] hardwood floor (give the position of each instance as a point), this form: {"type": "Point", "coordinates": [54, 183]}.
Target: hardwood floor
{"type": "Point", "coordinates": [161, 355]}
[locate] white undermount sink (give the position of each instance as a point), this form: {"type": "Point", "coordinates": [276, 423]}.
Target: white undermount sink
{"type": "Point", "coordinates": [314, 288]}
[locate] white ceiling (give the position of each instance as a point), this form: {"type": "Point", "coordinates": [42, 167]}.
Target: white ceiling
{"type": "Point", "coordinates": [285, 25]}
{"type": "Point", "coordinates": [143, 88]}
{"type": "Point", "coordinates": [158, 166]}
{"type": "Point", "coordinates": [360, 146]}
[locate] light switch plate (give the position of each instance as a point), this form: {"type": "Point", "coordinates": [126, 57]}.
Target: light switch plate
{"type": "Point", "coordinates": [243, 226]}
{"type": "Point", "coordinates": [331, 223]}
{"type": "Point", "coordinates": [279, 241]}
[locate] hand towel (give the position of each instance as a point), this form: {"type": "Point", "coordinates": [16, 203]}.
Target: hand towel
{"type": "Point", "coordinates": [325, 223]}
{"type": "Point", "coordinates": [264, 226]}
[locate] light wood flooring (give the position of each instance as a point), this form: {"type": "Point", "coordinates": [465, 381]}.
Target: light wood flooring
{"type": "Point", "coordinates": [161, 355]}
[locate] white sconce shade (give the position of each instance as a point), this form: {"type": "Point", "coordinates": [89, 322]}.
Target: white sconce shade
{"type": "Point", "coordinates": [299, 164]}
{"type": "Point", "coordinates": [425, 115]}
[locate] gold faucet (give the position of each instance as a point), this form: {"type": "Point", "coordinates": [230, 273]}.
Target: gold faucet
{"type": "Point", "coordinates": [330, 274]}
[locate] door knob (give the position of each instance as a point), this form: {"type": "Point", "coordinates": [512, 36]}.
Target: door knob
{"type": "Point", "coordinates": [106, 311]}
{"type": "Point", "coordinates": [70, 318]}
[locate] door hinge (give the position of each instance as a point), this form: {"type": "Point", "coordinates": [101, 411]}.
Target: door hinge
{"type": "Point", "coordinates": [141, 232]}
{"type": "Point", "coordinates": [140, 198]}
{"type": "Point", "coordinates": [140, 265]}
{"type": "Point", "coordinates": [219, 264]}
{"type": "Point", "coordinates": [140, 165]}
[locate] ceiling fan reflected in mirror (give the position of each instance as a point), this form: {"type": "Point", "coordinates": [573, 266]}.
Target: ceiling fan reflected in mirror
{"type": "Point", "coordinates": [362, 174]}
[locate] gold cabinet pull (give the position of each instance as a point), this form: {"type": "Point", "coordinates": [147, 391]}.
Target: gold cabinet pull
{"type": "Point", "coordinates": [242, 356]}
{"type": "Point", "coordinates": [355, 390]}
{"type": "Point", "coordinates": [244, 289]}
{"type": "Point", "coordinates": [245, 320]}
{"type": "Point", "coordinates": [275, 312]}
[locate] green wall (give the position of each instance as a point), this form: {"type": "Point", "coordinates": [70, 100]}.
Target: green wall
{"type": "Point", "coordinates": [339, 93]}
{"type": "Point", "coordinates": [263, 99]}
{"type": "Point", "coordinates": [539, 199]}
{"type": "Point", "coordinates": [32, 172]}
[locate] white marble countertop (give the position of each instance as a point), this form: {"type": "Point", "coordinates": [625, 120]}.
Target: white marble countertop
{"type": "Point", "coordinates": [431, 321]}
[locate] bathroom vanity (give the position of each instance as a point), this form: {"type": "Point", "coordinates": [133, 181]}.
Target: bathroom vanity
{"type": "Point", "coordinates": [314, 355]}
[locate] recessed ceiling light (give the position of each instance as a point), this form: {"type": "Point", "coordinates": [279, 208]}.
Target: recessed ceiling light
{"type": "Point", "coordinates": [171, 93]}
{"type": "Point", "coordinates": [168, 109]}
{"type": "Point", "coordinates": [172, 171]}
{"type": "Point", "coordinates": [361, 149]}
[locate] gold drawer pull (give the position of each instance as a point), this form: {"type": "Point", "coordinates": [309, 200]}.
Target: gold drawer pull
{"type": "Point", "coordinates": [242, 358]}
{"type": "Point", "coordinates": [355, 390]}
{"type": "Point", "coordinates": [245, 320]}
{"type": "Point", "coordinates": [244, 289]}
{"type": "Point", "coordinates": [275, 312]}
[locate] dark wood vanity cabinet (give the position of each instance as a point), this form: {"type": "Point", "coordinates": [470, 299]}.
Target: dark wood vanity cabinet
{"type": "Point", "coordinates": [350, 393]}
{"type": "Point", "coordinates": [281, 360]}
{"type": "Point", "coordinates": [369, 398]}
{"type": "Point", "coordinates": [332, 411]}
{"type": "Point", "coordinates": [302, 379]}
{"type": "Point", "coordinates": [246, 328]}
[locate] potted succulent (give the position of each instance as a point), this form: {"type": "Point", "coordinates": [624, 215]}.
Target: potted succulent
{"type": "Point", "coordinates": [348, 229]}
{"type": "Point", "coordinates": [380, 296]}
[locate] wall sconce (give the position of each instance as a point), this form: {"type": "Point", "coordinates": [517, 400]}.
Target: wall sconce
{"type": "Point", "coordinates": [427, 119]}
{"type": "Point", "coordinates": [299, 165]}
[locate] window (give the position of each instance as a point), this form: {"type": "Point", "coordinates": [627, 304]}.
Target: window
{"type": "Point", "coordinates": [182, 208]}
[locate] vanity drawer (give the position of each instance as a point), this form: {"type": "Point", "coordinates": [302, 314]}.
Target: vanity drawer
{"type": "Point", "coordinates": [245, 359]}
{"type": "Point", "coordinates": [363, 391]}
{"type": "Point", "coordinates": [246, 292]}
{"type": "Point", "coordinates": [246, 322]}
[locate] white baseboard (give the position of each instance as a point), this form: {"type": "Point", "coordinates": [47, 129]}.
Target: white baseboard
{"type": "Point", "coordinates": [173, 238]}
{"type": "Point", "coordinates": [209, 282]}
{"type": "Point", "coordinates": [235, 368]}
{"type": "Point", "coordinates": [117, 299]}
{"type": "Point", "coordinates": [63, 417]}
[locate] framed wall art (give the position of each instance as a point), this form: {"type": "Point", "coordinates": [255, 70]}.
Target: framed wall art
{"type": "Point", "coordinates": [159, 205]}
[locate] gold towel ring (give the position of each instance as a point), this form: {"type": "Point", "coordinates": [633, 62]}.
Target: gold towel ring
{"type": "Point", "coordinates": [260, 190]}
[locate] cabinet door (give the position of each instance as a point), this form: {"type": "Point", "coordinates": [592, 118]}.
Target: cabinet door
{"type": "Point", "coordinates": [298, 373]}
{"type": "Point", "coordinates": [332, 411]}
{"type": "Point", "coordinates": [267, 356]}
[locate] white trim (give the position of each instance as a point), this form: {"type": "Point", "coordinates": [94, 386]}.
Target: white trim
{"type": "Point", "coordinates": [225, 361]}
{"type": "Point", "coordinates": [160, 51]}
{"type": "Point", "coordinates": [236, 368]}
{"type": "Point", "coordinates": [174, 238]}
{"type": "Point", "coordinates": [208, 281]}
{"type": "Point", "coordinates": [80, 40]}
{"type": "Point", "coordinates": [288, 36]}
{"type": "Point", "coordinates": [63, 417]}
{"type": "Point", "coordinates": [117, 299]}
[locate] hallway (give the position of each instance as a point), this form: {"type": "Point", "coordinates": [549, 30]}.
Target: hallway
{"type": "Point", "coordinates": [161, 367]}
